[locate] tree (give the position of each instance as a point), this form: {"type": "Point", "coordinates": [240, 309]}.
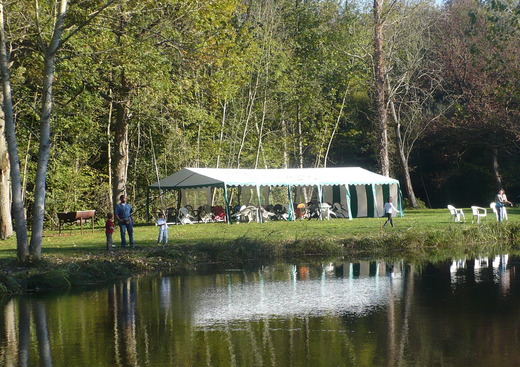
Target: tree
{"type": "Point", "coordinates": [479, 47]}
{"type": "Point", "coordinates": [6, 224]}
{"type": "Point", "coordinates": [16, 182]}
{"type": "Point", "coordinates": [49, 41]}
{"type": "Point", "coordinates": [379, 79]}
{"type": "Point", "coordinates": [413, 81]}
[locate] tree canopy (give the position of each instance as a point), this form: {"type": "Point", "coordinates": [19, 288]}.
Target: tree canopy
{"type": "Point", "coordinates": [144, 88]}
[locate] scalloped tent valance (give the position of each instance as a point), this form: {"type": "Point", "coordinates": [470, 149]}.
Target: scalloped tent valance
{"type": "Point", "coordinates": [203, 177]}
{"type": "Point", "coordinates": [363, 192]}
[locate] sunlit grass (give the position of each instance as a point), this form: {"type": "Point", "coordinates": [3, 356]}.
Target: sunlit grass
{"type": "Point", "coordinates": [77, 258]}
{"type": "Point", "coordinates": [415, 225]}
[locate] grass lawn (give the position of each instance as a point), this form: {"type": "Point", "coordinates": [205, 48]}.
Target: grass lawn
{"type": "Point", "coordinates": [415, 224]}
{"type": "Point", "coordinates": [76, 259]}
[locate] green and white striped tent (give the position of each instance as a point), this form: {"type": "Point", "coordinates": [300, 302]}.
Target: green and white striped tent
{"type": "Point", "coordinates": [361, 191]}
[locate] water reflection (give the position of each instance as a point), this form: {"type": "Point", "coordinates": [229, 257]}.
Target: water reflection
{"type": "Point", "coordinates": [122, 299]}
{"type": "Point", "coordinates": [367, 313]}
{"type": "Point", "coordinates": [480, 270]}
{"type": "Point", "coordinates": [360, 288]}
{"type": "Point", "coordinates": [15, 350]}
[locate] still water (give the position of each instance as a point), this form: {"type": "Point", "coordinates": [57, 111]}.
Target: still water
{"type": "Point", "coordinates": [368, 313]}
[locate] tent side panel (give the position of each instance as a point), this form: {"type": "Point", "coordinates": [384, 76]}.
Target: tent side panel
{"type": "Point", "coordinates": [369, 192]}
{"type": "Point", "coordinates": [379, 207]}
{"type": "Point", "coordinates": [343, 195]}
{"type": "Point", "coordinates": [354, 201]}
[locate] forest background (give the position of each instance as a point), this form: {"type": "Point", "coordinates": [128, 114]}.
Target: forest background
{"type": "Point", "coordinates": [141, 89]}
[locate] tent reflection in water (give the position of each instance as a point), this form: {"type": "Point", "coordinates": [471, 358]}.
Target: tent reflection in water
{"type": "Point", "coordinates": [362, 192]}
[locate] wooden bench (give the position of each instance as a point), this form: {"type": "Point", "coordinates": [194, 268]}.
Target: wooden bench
{"type": "Point", "coordinates": [78, 217]}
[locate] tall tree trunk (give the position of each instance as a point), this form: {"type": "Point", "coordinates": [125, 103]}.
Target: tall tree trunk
{"type": "Point", "coordinates": [50, 51]}
{"type": "Point", "coordinates": [410, 193]}
{"type": "Point", "coordinates": [121, 143]}
{"type": "Point", "coordinates": [496, 174]}
{"type": "Point", "coordinates": [221, 137]}
{"type": "Point", "coordinates": [335, 129]}
{"type": "Point", "coordinates": [300, 137]}
{"type": "Point", "coordinates": [22, 248]}
{"type": "Point", "coordinates": [285, 147]}
{"type": "Point", "coordinates": [379, 77]}
{"type": "Point", "coordinates": [109, 148]}
{"type": "Point", "coordinates": [404, 158]}
{"type": "Point", "coordinates": [260, 130]}
{"type": "Point", "coordinates": [250, 105]}
{"type": "Point", "coordinates": [6, 222]}
{"type": "Point", "coordinates": [43, 160]}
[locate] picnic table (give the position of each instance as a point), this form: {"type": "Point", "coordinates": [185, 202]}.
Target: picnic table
{"type": "Point", "coordinates": [78, 217]}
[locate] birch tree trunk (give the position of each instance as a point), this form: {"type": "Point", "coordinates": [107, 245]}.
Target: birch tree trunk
{"type": "Point", "coordinates": [379, 77]}
{"type": "Point", "coordinates": [335, 129]}
{"type": "Point", "coordinates": [221, 137]}
{"type": "Point", "coordinates": [22, 248]}
{"type": "Point", "coordinates": [6, 222]}
{"type": "Point", "coordinates": [250, 107]}
{"type": "Point", "coordinates": [49, 53]}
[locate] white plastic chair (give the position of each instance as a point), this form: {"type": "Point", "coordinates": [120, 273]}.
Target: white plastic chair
{"type": "Point", "coordinates": [326, 211]}
{"type": "Point", "coordinates": [185, 217]}
{"type": "Point", "coordinates": [247, 214]}
{"type": "Point", "coordinates": [493, 207]}
{"type": "Point", "coordinates": [457, 215]}
{"type": "Point", "coordinates": [478, 213]}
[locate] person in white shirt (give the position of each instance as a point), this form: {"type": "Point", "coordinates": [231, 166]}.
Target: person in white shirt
{"type": "Point", "coordinates": [163, 230]}
{"type": "Point", "coordinates": [389, 209]}
{"type": "Point", "coordinates": [501, 202]}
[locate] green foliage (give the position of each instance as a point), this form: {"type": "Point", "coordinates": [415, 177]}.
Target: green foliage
{"type": "Point", "coordinates": [257, 84]}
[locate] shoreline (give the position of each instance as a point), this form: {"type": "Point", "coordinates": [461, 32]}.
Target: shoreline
{"type": "Point", "coordinates": [67, 271]}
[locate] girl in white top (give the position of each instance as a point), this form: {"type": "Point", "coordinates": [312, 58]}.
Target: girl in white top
{"type": "Point", "coordinates": [389, 209]}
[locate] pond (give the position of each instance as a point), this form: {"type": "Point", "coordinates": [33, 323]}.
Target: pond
{"type": "Point", "coordinates": [367, 313]}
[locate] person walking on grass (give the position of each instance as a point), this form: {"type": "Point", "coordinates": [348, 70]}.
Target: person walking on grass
{"type": "Point", "coordinates": [124, 219]}
{"type": "Point", "coordinates": [163, 230]}
{"type": "Point", "coordinates": [109, 230]}
{"type": "Point", "coordinates": [389, 210]}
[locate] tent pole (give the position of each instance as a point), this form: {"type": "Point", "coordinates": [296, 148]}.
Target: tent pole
{"type": "Point", "coordinates": [291, 203]}
{"type": "Point", "coordinates": [376, 207]}
{"type": "Point", "coordinates": [349, 207]}
{"type": "Point", "coordinates": [148, 204]}
{"type": "Point", "coordinates": [259, 218]}
{"type": "Point", "coordinates": [179, 199]}
{"type": "Point", "coordinates": [320, 198]}
{"type": "Point", "coordinates": [400, 201]}
{"type": "Point", "coordinates": [226, 201]}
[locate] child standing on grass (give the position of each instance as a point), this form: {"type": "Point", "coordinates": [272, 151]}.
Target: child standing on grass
{"type": "Point", "coordinates": [163, 230]}
{"type": "Point", "coordinates": [109, 230]}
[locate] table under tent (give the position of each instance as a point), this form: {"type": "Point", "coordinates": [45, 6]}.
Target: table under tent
{"type": "Point", "coordinates": [361, 192]}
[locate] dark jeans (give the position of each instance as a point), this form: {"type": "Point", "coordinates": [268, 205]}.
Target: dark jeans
{"type": "Point", "coordinates": [124, 227]}
{"type": "Point", "coordinates": [389, 216]}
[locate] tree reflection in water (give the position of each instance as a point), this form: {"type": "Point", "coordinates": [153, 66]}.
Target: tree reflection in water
{"type": "Point", "coordinates": [122, 305]}
{"type": "Point", "coordinates": [17, 348]}
{"type": "Point", "coordinates": [365, 313]}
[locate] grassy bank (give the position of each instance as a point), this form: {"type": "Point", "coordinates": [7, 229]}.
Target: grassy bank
{"type": "Point", "coordinates": [74, 258]}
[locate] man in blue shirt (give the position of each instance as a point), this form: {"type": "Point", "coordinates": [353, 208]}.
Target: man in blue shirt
{"type": "Point", "coordinates": [123, 214]}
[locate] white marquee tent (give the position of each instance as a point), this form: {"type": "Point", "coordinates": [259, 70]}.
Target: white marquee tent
{"type": "Point", "coordinates": [361, 191]}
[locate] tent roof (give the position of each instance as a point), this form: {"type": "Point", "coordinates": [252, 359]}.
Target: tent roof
{"type": "Point", "coordinates": [202, 177]}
